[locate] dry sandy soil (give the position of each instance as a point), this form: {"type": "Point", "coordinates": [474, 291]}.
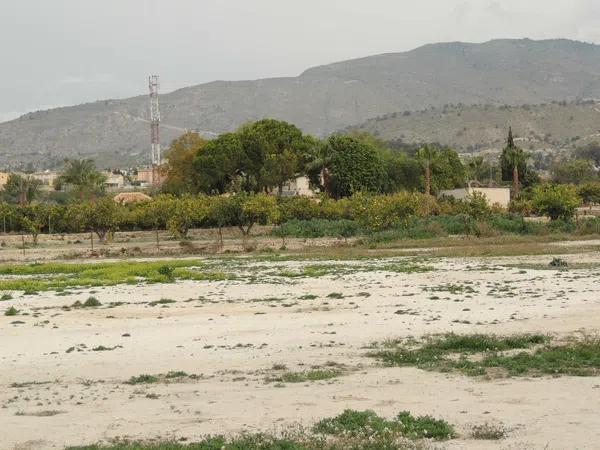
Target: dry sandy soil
{"type": "Point", "coordinates": [232, 333]}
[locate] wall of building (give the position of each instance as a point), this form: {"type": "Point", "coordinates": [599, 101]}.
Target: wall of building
{"type": "Point", "coordinates": [500, 196]}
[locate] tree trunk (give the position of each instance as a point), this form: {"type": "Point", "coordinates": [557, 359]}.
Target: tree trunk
{"type": "Point", "coordinates": [23, 242]}
{"type": "Point", "coordinates": [221, 237]}
{"type": "Point", "coordinates": [92, 239]}
{"type": "Point", "coordinates": [157, 240]}
{"type": "Point", "coordinates": [516, 180]}
{"type": "Point", "coordinates": [428, 179]}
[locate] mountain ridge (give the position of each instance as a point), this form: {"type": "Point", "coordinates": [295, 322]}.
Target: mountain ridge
{"type": "Point", "coordinates": [321, 100]}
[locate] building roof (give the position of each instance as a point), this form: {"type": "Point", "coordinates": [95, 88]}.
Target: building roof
{"type": "Point", "coordinates": [130, 197]}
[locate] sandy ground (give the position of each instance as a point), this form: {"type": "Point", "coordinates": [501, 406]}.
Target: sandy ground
{"type": "Point", "coordinates": [233, 332]}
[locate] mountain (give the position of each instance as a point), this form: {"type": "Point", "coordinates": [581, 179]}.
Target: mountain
{"type": "Point", "coordinates": [320, 100]}
{"type": "Point", "coordinates": [555, 126]}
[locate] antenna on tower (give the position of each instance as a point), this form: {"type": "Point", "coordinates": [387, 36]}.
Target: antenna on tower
{"type": "Point", "coordinates": [154, 86]}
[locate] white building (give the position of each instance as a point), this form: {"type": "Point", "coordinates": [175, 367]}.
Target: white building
{"type": "Point", "coordinates": [298, 186]}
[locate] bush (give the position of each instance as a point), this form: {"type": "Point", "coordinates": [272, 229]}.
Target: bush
{"type": "Point", "coordinates": [316, 228]}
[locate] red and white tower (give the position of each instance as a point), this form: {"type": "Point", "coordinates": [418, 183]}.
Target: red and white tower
{"type": "Point", "coordinates": [154, 86]}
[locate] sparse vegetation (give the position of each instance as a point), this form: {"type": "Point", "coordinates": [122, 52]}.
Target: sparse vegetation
{"type": "Point", "coordinates": [488, 431]}
{"type": "Point", "coordinates": [578, 356]}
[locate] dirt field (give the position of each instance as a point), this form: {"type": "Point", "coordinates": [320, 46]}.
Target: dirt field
{"type": "Point", "coordinates": [64, 370]}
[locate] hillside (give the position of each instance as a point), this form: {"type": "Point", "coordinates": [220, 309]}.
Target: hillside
{"type": "Point", "coordinates": [320, 100]}
{"type": "Point", "coordinates": [553, 126]}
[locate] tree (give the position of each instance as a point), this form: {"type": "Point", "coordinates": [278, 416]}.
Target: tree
{"type": "Point", "coordinates": [250, 209]}
{"type": "Point", "coordinates": [154, 214]}
{"type": "Point", "coordinates": [33, 218]}
{"type": "Point", "coordinates": [574, 171]}
{"type": "Point", "coordinates": [179, 168]}
{"type": "Point", "coordinates": [590, 151]}
{"type": "Point", "coordinates": [589, 192]}
{"type": "Point", "coordinates": [83, 176]}
{"type": "Point", "coordinates": [513, 163]}
{"type": "Point", "coordinates": [187, 212]}
{"type": "Point", "coordinates": [259, 157]}
{"type": "Point", "coordinates": [221, 212]}
{"type": "Point", "coordinates": [402, 173]}
{"type": "Point", "coordinates": [447, 171]}
{"type": "Point", "coordinates": [220, 163]}
{"type": "Point", "coordinates": [427, 156]}
{"type": "Point", "coordinates": [21, 189]}
{"type": "Point", "coordinates": [348, 165]}
{"type": "Point", "coordinates": [101, 217]}
{"type": "Point", "coordinates": [557, 201]}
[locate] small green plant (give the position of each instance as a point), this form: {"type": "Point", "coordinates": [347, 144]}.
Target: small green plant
{"type": "Point", "coordinates": [162, 301]}
{"type": "Point", "coordinates": [167, 271]}
{"type": "Point", "coordinates": [352, 422]}
{"type": "Point", "coordinates": [303, 377]}
{"type": "Point", "coordinates": [12, 311]}
{"type": "Point", "coordinates": [6, 297]}
{"type": "Point", "coordinates": [335, 295]}
{"type": "Point", "coordinates": [558, 262]}
{"type": "Point", "coordinates": [92, 302]}
{"type": "Point", "coordinates": [143, 379]}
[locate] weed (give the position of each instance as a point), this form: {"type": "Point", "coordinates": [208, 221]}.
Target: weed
{"type": "Point", "coordinates": [488, 431]}
{"type": "Point", "coordinates": [302, 377]}
{"type": "Point", "coordinates": [143, 379]}
{"type": "Point", "coordinates": [367, 422]}
{"type": "Point", "coordinates": [6, 297]}
{"type": "Point", "coordinates": [336, 295]}
{"type": "Point", "coordinates": [12, 311]}
{"type": "Point", "coordinates": [162, 301]}
{"type": "Point", "coordinates": [578, 357]}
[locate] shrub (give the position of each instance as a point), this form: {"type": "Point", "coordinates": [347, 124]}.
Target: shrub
{"type": "Point", "coordinates": [12, 311]}
{"type": "Point", "coordinates": [316, 228]}
{"type": "Point", "coordinates": [167, 271]}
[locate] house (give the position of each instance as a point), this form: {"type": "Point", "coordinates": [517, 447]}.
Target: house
{"type": "Point", "coordinates": [150, 176]}
{"type": "Point", "coordinates": [298, 186]}
{"type": "Point", "coordinates": [500, 196]}
{"type": "Point", "coordinates": [46, 178]}
{"type": "Point", "coordinates": [114, 180]}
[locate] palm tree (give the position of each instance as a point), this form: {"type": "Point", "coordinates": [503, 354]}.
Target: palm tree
{"type": "Point", "coordinates": [427, 156]}
{"type": "Point", "coordinates": [82, 174]}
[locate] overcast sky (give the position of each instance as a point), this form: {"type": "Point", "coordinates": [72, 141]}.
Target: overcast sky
{"type": "Point", "coordinates": [63, 52]}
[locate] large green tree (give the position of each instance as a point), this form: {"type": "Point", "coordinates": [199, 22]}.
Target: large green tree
{"type": "Point", "coordinates": [179, 167]}
{"type": "Point", "coordinates": [259, 157]}
{"type": "Point", "coordinates": [346, 165]}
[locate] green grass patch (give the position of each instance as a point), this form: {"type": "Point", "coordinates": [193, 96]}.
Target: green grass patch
{"type": "Point", "coordinates": [305, 376]}
{"type": "Point", "coordinates": [60, 276]}
{"type": "Point", "coordinates": [490, 355]}
{"type": "Point", "coordinates": [352, 422]}
{"type": "Point", "coordinates": [351, 430]}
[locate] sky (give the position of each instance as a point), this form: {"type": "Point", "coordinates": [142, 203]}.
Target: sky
{"type": "Point", "coordinates": [64, 52]}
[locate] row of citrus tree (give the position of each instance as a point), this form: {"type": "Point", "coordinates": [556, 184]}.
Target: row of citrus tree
{"type": "Point", "coordinates": [245, 210]}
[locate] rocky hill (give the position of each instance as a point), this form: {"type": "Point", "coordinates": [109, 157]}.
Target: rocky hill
{"type": "Point", "coordinates": [553, 126]}
{"type": "Point", "coordinates": [320, 100]}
